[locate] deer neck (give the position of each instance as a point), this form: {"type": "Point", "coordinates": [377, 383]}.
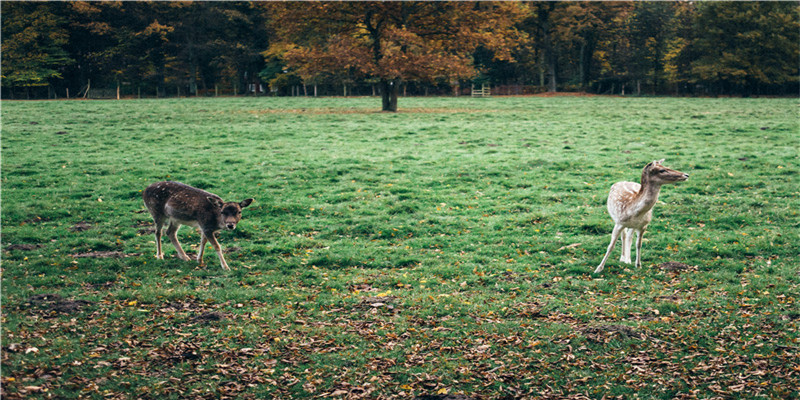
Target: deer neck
{"type": "Point", "coordinates": [647, 196]}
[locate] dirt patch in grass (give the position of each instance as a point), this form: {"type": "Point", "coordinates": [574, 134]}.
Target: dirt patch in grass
{"type": "Point", "coordinates": [674, 266]}
{"type": "Point", "coordinates": [80, 227]}
{"type": "Point", "coordinates": [24, 247]}
{"type": "Point", "coordinates": [209, 316]}
{"type": "Point", "coordinates": [55, 302]}
{"type": "Point", "coordinates": [105, 254]}
{"type": "Point", "coordinates": [377, 303]}
{"type": "Point", "coordinates": [412, 110]}
{"type": "Point", "coordinates": [35, 220]}
{"type": "Point", "coordinates": [529, 310]}
{"type": "Point", "coordinates": [605, 332]}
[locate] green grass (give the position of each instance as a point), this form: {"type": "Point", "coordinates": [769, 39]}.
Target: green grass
{"type": "Point", "coordinates": [478, 223]}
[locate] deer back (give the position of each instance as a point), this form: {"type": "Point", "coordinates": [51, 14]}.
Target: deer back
{"type": "Point", "coordinates": [183, 203]}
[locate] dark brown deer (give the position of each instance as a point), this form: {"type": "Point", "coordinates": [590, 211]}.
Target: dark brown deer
{"type": "Point", "coordinates": [176, 204]}
{"type": "Point", "coordinates": [631, 207]}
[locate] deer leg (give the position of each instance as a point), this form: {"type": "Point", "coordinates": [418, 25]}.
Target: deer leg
{"type": "Point", "coordinates": [627, 240]}
{"type": "Point", "coordinates": [200, 251]}
{"type": "Point", "coordinates": [159, 252]}
{"type": "Point", "coordinates": [172, 229]}
{"type": "Point", "coordinates": [218, 249]}
{"type": "Point", "coordinates": [639, 235]}
{"type": "Point", "coordinates": [614, 236]}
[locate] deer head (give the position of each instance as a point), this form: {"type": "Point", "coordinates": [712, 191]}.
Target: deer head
{"type": "Point", "coordinates": [230, 213]}
{"type": "Point", "coordinates": [657, 174]}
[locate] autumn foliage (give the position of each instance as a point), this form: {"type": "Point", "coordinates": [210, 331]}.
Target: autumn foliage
{"type": "Point", "coordinates": [212, 48]}
{"type": "Point", "coordinates": [393, 41]}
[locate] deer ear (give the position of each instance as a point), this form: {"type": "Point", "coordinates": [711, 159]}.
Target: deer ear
{"type": "Point", "coordinates": [215, 201]}
{"type": "Point", "coordinates": [659, 161]}
{"type": "Point", "coordinates": [245, 203]}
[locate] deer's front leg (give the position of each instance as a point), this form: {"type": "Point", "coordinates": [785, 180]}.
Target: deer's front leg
{"type": "Point", "coordinates": [218, 249]}
{"type": "Point", "coordinates": [172, 230]}
{"type": "Point", "coordinates": [627, 241]}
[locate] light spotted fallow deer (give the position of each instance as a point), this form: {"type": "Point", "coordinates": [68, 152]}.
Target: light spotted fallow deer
{"type": "Point", "coordinates": [631, 207]}
{"type": "Point", "coordinates": [176, 204]}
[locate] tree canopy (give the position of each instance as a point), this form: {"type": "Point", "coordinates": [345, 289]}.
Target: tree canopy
{"type": "Point", "coordinates": [392, 41]}
{"type": "Point", "coordinates": [206, 48]}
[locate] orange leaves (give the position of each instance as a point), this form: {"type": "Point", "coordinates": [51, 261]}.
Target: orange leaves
{"type": "Point", "coordinates": [408, 40]}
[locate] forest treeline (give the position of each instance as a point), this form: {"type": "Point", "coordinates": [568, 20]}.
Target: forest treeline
{"type": "Point", "coordinates": [160, 49]}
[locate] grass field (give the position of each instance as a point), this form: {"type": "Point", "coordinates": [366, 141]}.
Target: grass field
{"type": "Point", "coordinates": [446, 249]}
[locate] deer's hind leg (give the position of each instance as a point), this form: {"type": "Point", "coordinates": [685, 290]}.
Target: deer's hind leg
{"type": "Point", "coordinates": [202, 248]}
{"type": "Point", "coordinates": [172, 230]}
{"type": "Point", "coordinates": [614, 236]}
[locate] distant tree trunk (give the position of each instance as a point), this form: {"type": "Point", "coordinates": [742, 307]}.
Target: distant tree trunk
{"type": "Point", "coordinates": [388, 94]}
{"type": "Point", "coordinates": [117, 90]}
{"type": "Point", "coordinates": [587, 50]}
{"type": "Point", "coordinates": [315, 90]}
{"type": "Point", "coordinates": [547, 43]}
{"type": "Point", "coordinates": [552, 85]}
{"type": "Point", "coordinates": [582, 65]}
{"type": "Point", "coordinates": [67, 93]}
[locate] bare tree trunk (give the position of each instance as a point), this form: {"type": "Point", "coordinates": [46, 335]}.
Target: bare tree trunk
{"type": "Point", "coordinates": [389, 95]}
{"type": "Point", "coordinates": [117, 90]}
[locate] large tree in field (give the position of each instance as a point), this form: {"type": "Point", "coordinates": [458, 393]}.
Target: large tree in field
{"type": "Point", "coordinates": [391, 41]}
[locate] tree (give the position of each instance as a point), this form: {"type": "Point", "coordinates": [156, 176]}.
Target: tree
{"type": "Point", "coordinates": [746, 46]}
{"type": "Point", "coordinates": [538, 23]}
{"type": "Point", "coordinates": [33, 45]}
{"type": "Point", "coordinates": [117, 41]}
{"type": "Point", "coordinates": [582, 26]}
{"type": "Point", "coordinates": [393, 41]}
{"type": "Point", "coordinates": [650, 32]}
